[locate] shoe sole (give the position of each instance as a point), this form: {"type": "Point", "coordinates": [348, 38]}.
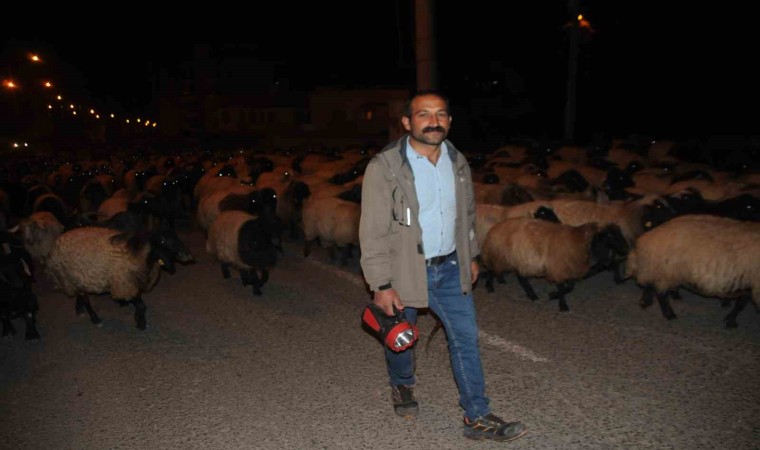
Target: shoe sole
{"type": "Point", "coordinates": [485, 437]}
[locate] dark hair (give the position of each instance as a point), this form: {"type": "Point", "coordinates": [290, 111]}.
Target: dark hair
{"type": "Point", "coordinates": [407, 112]}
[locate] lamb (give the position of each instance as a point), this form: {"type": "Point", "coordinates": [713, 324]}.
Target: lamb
{"type": "Point", "coordinates": [97, 260]}
{"type": "Point", "coordinates": [16, 295]}
{"type": "Point", "coordinates": [561, 253]}
{"type": "Point", "coordinates": [244, 242]}
{"type": "Point", "coordinates": [711, 255]}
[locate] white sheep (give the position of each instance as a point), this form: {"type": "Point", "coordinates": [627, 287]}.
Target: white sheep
{"type": "Point", "coordinates": [95, 260]}
{"type": "Point", "coordinates": [244, 242]}
{"type": "Point", "coordinates": [560, 253]}
{"type": "Point", "coordinates": [711, 255]}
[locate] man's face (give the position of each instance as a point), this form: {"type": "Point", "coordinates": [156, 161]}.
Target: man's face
{"type": "Point", "coordinates": [430, 121]}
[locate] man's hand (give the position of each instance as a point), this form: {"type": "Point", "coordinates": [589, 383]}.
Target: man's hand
{"type": "Point", "coordinates": [474, 271]}
{"type": "Point", "coordinates": [387, 299]}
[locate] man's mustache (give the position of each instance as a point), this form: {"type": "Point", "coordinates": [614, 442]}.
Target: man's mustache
{"type": "Point", "coordinates": [439, 129]}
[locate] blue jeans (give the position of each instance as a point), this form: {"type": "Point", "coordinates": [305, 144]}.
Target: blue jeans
{"type": "Point", "coordinates": [457, 313]}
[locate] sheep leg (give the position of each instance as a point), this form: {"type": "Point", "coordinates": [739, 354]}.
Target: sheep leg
{"type": "Point", "coordinates": [264, 276]}
{"type": "Point", "coordinates": [225, 270]}
{"type": "Point", "coordinates": [31, 327]}
{"type": "Point", "coordinates": [527, 288]}
{"type": "Point", "coordinates": [618, 273]}
{"type": "Point", "coordinates": [139, 312]}
{"type": "Point", "coordinates": [31, 319]}
{"type": "Point", "coordinates": [647, 297]}
{"type": "Point", "coordinates": [489, 276]}
{"type": "Point", "coordinates": [83, 304]}
{"type": "Point", "coordinates": [500, 278]}
{"type": "Point", "coordinates": [730, 319]}
{"type": "Point", "coordinates": [675, 294]}
{"type": "Point", "coordinates": [255, 281]}
{"type": "Point", "coordinates": [245, 277]}
{"type": "Point", "coordinates": [562, 289]}
{"type": "Point", "coordinates": [667, 311]}
{"type": "Point", "coordinates": [725, 303]}
{"type": "Point", "coordinates": [5, 317]}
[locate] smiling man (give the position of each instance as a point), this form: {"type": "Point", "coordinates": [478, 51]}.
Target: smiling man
{"type": "Point", "coordinates": [418, 250]}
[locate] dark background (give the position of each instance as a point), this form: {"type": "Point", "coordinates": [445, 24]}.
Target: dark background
{"type": "Point", "coordinates": [665, 71]}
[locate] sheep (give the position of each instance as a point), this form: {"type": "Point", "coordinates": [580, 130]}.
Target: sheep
{"type": "Point", "coordinates": [562, 254]}
{"type": "Point", "coordinates": [97, 260]}
{"type": "Point", "coordinates": [335, 222]}
{"type": "Point", "coordinates": [16, 295]}
{"type": "Point", "coordinates": [242, 241]}
{"type": "Point", "coordinates": [710, 255]}
{"type": "Point", "coordinates": [259, 202]}
{"type": "Point", "coordinates": [39, 232]}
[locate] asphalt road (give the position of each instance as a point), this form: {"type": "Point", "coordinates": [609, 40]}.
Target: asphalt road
{"type": "Point", "coordinates": [218, 368]}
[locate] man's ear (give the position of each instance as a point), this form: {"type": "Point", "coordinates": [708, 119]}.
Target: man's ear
{"type": "Point", "coordinates": [407, 124]}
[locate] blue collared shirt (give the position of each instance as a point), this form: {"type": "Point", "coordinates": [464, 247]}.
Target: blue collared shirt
{"type": "Point", "coordinates": [436, 196]}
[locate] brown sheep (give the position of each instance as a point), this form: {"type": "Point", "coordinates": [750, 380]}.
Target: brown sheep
{"type": "Point", "coordinates": [562, 254]}
{"type": "Point", "coordinates": [711, 255]}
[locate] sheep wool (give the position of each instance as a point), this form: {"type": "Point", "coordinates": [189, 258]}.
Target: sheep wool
{"type": "Point", "coordinates": [224, 239]}
{"type": "Point", "coordinates": [93, 260]}
{"type": "Point", "coordinates": [538, 248]}
{"type": "Point", "coordinates": [714, 256]}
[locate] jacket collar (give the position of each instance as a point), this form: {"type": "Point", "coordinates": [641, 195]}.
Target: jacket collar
{"type": "Point", "coordinates": [400, 146]}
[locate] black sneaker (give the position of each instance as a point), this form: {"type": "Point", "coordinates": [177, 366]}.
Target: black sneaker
{"type": "Point", "coordinates": [403, 401]}
{"type": "Point", "coordinates": [494, 428]}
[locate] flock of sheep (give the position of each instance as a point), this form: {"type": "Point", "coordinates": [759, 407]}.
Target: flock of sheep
{"type": "Point", "coordinates": [650, 212]}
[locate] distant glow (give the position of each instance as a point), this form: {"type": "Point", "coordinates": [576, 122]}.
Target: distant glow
{"type": "Point", "coordinates": [9, 84]}
{"type": "Point", "coordinates": [147, 122]}
{"type": "Point", "coordinates": [92, 111]}
{"type": "Point", "coordinates": [112, 116]}
{"type": "Point", "coordinates": [34, 57]}
{"type": "Point", "coordinates": [74, 112]}
{"type": "Point", "coordinates": [47, 84]}
{"type": "Point", "coordinates": [59, 97]}
{"type": "Point", "coordinates": [580, 17]}
{"type": "Point", "coordinates": [50, 106]}
{"type": "Point", "coordinates": [138, 120]}
{"type": "Point", "coordinates": [71, 106]}
{"type": "Point", "coordinates": [127, 120]}
{"type": "Point", "coordinates": [97, 116]}
{"type": "Point", "coordinates": [154, 124]}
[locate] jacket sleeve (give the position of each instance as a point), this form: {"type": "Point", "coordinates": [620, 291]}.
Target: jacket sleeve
{"type": "Point", "coordinates": [375, 225]}
{"type": "Point", "coordinates": [471, 217]}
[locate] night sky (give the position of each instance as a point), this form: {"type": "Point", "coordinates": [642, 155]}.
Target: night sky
{"type": "Point", "coordinates": [667, 74]}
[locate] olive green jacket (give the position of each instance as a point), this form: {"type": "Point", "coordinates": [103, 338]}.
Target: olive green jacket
{"type": "Point", "coordinates": [389, 230]}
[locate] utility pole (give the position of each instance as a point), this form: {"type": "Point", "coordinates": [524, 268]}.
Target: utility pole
{"type": "Point", "coordinates": [574, 30]}
{"type": "Point", "coordinates": [424, 44]}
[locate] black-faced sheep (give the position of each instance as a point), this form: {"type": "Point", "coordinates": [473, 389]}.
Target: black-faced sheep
{"type": "Point", "coordinates": [17, 298]}
{"type": "Point", "coordinates": [710, 255]}
{"type": "Point", "coordinates": [537, 248]}
{"type": "Point", "coordinates": [244, 242]}
{"type": "Point", "coordinates": [96, 260]}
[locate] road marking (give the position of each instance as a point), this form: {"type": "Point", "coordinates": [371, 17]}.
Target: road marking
{"type": "Point", "coordinates": [486, 338]}
{"type": "Point", "coordinates": [503, 344]}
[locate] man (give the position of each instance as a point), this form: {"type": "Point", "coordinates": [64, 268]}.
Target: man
{"type": "Point", "coordinates": [418, 250]}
